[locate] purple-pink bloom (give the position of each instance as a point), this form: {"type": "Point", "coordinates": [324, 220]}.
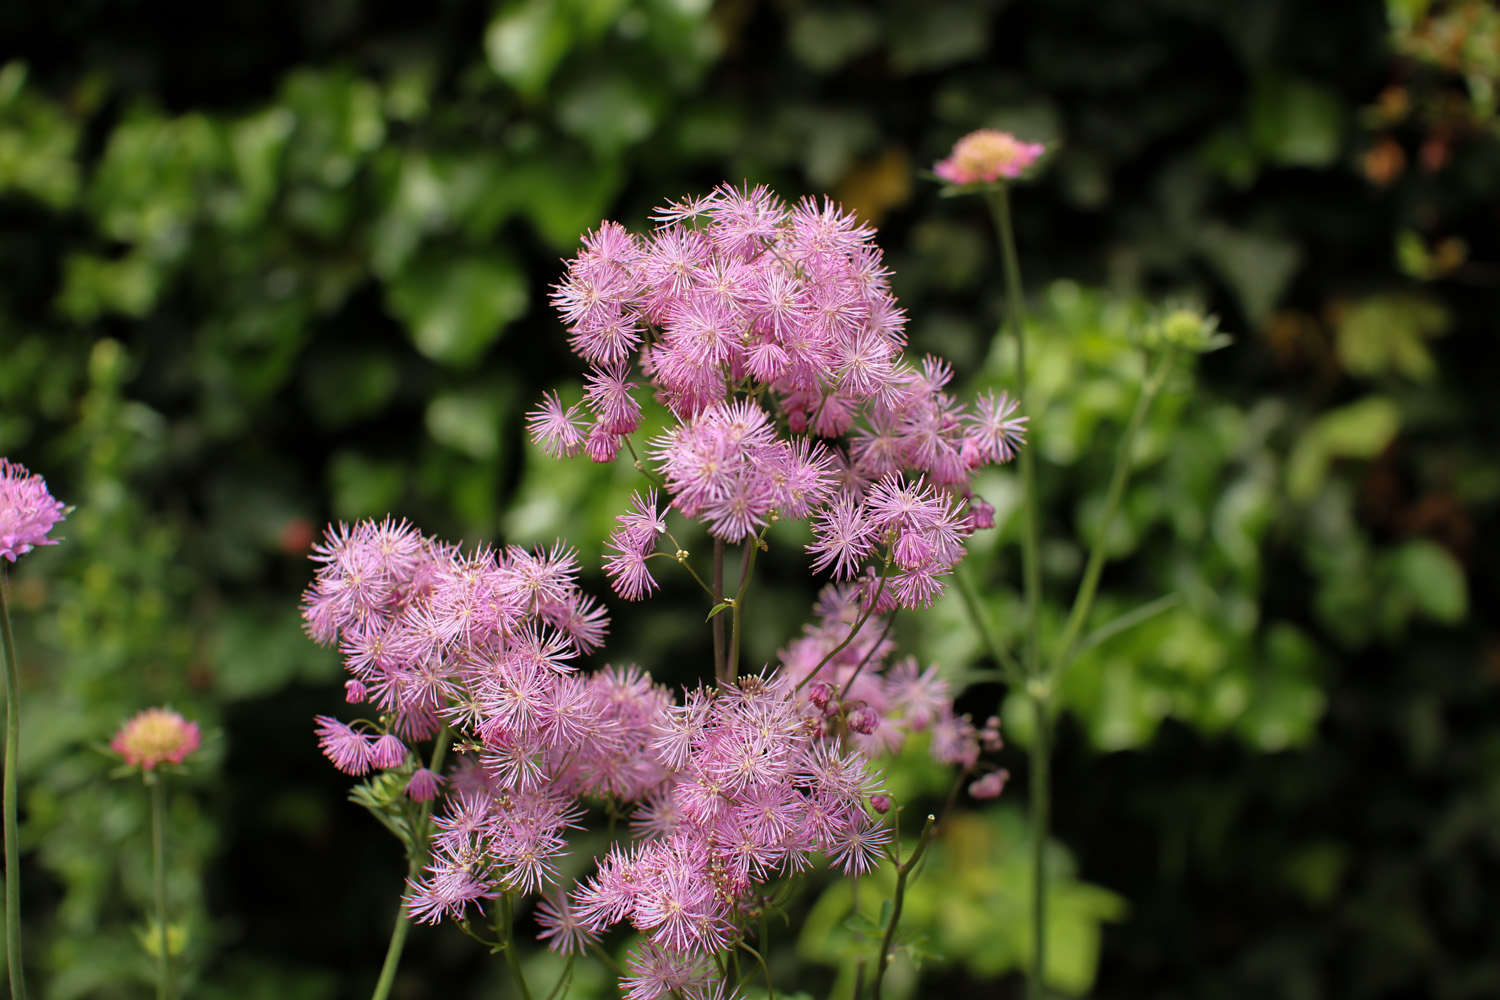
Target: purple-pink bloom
{"type": "Point", "coordinates": [348, 750]}
{"type": "Point", "coordinates": [27, 511]}
{"type": "Point", "coordinates": [388, 752]}
{"type": "Point", "coordinates": [423, 785]}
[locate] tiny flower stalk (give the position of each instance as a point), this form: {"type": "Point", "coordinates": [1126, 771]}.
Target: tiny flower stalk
{"type": "Point", "coordinates": [28, 512]}
{"type": "Point", "coordinates": [147, 741]}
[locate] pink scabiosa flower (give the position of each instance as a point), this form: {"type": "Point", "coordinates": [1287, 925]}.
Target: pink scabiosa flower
{"type": "Point", "coordinates": [27, 511]}
{"type": "Point", "coordinates": [156, 736]}
{"type": "Point", "coordinates": [986, 156]}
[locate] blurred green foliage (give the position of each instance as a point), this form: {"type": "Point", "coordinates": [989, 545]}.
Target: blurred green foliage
{"type": "Point", "coordinates": [263, 265]}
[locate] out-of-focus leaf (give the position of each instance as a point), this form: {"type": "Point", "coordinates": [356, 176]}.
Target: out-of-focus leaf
{"type": "Point", "coordinates": [1385, 333]}
{"type": "Point", "coordinates": [1359, 430]}
{"type": "Point", "coordinates": [1295, 123]}
{"type": "Point", "coordinates": [455, 309]}
{"type": "Point", "coordinates": [1434, 579]}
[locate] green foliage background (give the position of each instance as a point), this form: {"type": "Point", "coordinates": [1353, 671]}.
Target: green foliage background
{"type": "Point", "coordinates": [263, 265]}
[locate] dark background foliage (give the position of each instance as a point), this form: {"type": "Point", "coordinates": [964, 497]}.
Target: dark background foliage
{"type": "Point", "coordinates": [263, 265]}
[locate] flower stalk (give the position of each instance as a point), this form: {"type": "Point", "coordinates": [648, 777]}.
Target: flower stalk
{"type": "Point", "coordinates": [159, 878]}
{"type": "Point", "coordinates": [12, 832]}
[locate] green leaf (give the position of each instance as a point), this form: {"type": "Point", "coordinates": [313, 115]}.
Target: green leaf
{"type": "Point", "coordinates": [721, 606]}
{"type": "Point", "coordinates": [1360, 430]}
{"type": "Point", "coordinates": [1384, 334]}
{"type": "Point", "coordinates": [1295, 123]}
{"type": "Point", "coordinates": [1434, 579]}
{"type": "Point", "coordinates": [454, 310]}
{"type": "Point", "coordinates": [525, 42]}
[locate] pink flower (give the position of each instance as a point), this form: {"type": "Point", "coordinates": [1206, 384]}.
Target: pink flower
{"type": "Point", "coordinates": [27, 511]}
{"type": "Point", "coordinates": [423, 786]}
{"type": "Point", "coordinates": [985, 156]}
{"type": "Point", "coordinates": [156, 736]}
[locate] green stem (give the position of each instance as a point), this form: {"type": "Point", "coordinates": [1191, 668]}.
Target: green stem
{"type": "Point", "coordinates": [415, 859]}
{"type": "Point", "coordinates": [1040, 805]}
{"type": "Point", "coordinates": [507, 912]}
{"type": "Point", "coordinates": [883, 960]}
{"type": "Point", "coordinates": [836, 650]}
{"type": "Point", "coordinates": [1008, 665]}
{"type": "Point", "coordinates": [159, 875]}
{"type": "Point", "coordinates": [747, 568]}
{"type": "Point", "coordinates": [1084, 600]}
{"type": "Point", "coordinates": [12, 831]}
{"type": "Point", "coordinates": [721, 673]}
{"type": "Point", "coordinates": [999, 201]}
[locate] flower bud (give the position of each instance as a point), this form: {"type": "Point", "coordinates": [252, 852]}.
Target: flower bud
{"type": "Point", "coordinates": [880, 803]}
{"type": "Point", "coordinates": [991, 785]}
{"type": "Point", "coordinates": [989, 736]}
{"type": "Point", "coordinates": [388, 751]}
{"type": "Point", "coordinates": [864, 720]}
{"type": "Point", "coordinates": [423, 786]}
{"type": "Point", "coordinates": [819, 694]}
{"type": "Point", "coordinates": [355, 692]}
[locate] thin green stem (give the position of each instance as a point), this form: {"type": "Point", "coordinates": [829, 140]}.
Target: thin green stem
{"type": "Point", "coordinates": [159, 876]}
{"type": "Point", "coordinates": [1008, 665]}
{"type": "Point", "coordinates": [604, 957]}
{"type": "Point", "coordinates": [836, 650]}
{"type": "Point", "coordinates": [764, 970]}
{"type": "Point", "coordinates": [883, 960]}
{"type": "Point", "coordinates": [416, 857]}
{"type": "Point", "coordinates": [563, 981]}
{"type": "Point", "coordinates": [1040, 806]}
{"type": "Point", "coordinates": [1084, 600]}
{"type": "Point", "coordinates": [747, 569]}
{"type": "Point", "coordinates": [507, 916]}
{"type": "Point", "coordinates": [12, 830]}
{"type": "Point", "coordinates": [879, 641]}
{"type": "Point", "coordinates": [641, 466]}
{"type": "Point", "coordinates": [721, 673]}
{"type": "Point", "coordinates": [1115, 626]}
{"type": "Point", "coordinates": [999, 201]}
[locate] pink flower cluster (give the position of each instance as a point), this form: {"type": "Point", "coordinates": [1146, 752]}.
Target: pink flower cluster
{"type": "Point", "coordinates": [728, 789]}
{"type": "Point", "coordinates": [27, 511]}
{"type": "Point", "coordinates": [840, 661]}
{"type": "Point", "coordinates": [771, 335]}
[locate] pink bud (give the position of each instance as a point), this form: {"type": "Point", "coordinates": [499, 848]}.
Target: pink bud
{"type": "Point", "coordinates": [989, 736]}
{"type": "Point", "coordinates": [388, 751]}
{"type": "Point", "coordinates": [991, 785]}
{"type": "Point", "coordinates": [880, 803]}
{"type": "Point", "coordinates": [864, 720]}
{"type": "Point", "coordinates": [981, 514]}
{"type": "Point", "coordinates": [819, 694]}
{"type": "Point", "coordinates": [423, 786]}
{"type": "Point", "coordinates": [355, 692]}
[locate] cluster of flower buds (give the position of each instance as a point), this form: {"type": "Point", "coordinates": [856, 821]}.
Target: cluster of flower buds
{"type": "Point", "coordinates": [771, 335]}
{"type": "Point", "coordinates": [840, 665]}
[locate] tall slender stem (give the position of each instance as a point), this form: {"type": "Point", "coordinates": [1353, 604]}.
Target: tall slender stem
{"type": "Point", "coordinates": [12, 831]}
{"type": "Point", "coordinates": [414, 861]}
{"type": "Point", "coordinates": [159, 875]}
{"type": "Point", "coordinates": [1084, 600]}
{"type": "Point", "coordinates": [999, 201]}
{"type": "Point", "coordinates": [507, 914]}
{"type": "Point", "coordinates": [883, 960]}
{"type": "Point", "coordinates": [720, 670]}
{"type": "Point", "coordinates": [1040, 806]}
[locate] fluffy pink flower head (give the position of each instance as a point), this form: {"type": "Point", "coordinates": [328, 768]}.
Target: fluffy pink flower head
{"type": "Point", "coordinates": [985, 156]}
{"type": "Point", "coordinates": [27, 511]}
{"type": "Point", "coordinates": [155, 736]}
